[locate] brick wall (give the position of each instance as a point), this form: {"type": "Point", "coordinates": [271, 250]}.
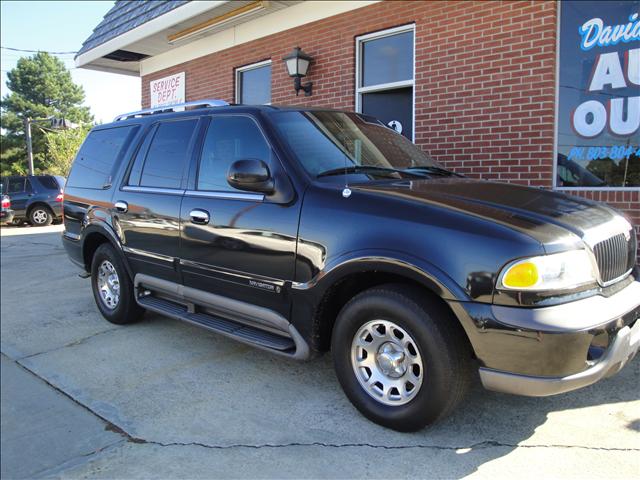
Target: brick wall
{"type": "Point", "coordinates": [485, 78]}
{"type": "Point", "coordinates": [485, 81]}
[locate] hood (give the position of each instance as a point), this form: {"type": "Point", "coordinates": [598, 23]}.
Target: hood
{"type": "Point", "coordinates": [549, 217]}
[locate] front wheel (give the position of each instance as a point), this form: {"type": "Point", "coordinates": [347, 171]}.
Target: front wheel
{"type": "Point", "coordinates": [40, 217]}
{"type": "Point", "coordinates": [400, 358]}
{"type": "Point", "coordinates": [112, 288]}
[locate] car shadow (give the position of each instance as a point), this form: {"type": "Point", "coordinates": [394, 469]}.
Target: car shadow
{"type": "Point", "coordinates": [205, 389]}
{"type": "Point", "coordinates": [490, 425]}
{"type": "Point", "coordinates": [487, 425]}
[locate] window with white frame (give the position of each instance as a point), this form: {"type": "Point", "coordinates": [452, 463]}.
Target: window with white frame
{"type": "Point", "coordinates": [253, 84]}
{"type": "Point", "coordinates": [385, 77]}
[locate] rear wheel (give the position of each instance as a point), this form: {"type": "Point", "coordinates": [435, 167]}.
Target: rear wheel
{"type": "Point", "coordinates": [40, 216]}
{"type": "Point", "coordinates": [400, 357]}
{"type": "Point", "coordinates": [112, 288]}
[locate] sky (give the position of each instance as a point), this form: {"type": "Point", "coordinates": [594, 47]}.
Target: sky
{"type": "Point", "coordinates": [62, 26]}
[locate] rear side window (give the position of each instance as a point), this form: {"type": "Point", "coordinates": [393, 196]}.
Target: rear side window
{"type": "Point", "coordinates": [167, 154]}
{"type": "Point", "coordinates": [96, 160]}
{"type": "Point", "coordinates": [15, 185]}
{"type": "Point", "coordinates": [49, 183]}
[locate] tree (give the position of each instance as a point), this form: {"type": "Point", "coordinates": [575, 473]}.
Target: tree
{"type": "Point", "coordinates": [40, 86]}
{"type": "Point", "coordinates": [62, 146]}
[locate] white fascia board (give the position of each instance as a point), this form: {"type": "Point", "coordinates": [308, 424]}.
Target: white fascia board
{"type": "Point", "coordinates": [108, 69]}
{"type": "Point", "coordinates": [279, 21]}
{"type": "Point", "coordinates": [158, 24]}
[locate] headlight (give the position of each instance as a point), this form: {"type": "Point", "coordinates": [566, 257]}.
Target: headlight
{"type": "Point", "coordinates": [559, 271]}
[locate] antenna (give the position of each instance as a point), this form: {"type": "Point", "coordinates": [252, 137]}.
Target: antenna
{"type": "Point", "coordinates": [346, 191]}
{"type": "Point", "coordinates": [357, 153]}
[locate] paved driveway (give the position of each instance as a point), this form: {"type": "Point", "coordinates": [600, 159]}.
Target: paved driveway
{"type": "Point", "coordinates": [84, 398]}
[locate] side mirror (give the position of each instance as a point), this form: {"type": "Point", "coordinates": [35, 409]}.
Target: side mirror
{"type": "Point", "coordinates": [251, 175]}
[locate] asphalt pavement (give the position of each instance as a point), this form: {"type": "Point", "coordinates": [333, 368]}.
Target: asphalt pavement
{"type": "Point", "coordinates": [82, 398]}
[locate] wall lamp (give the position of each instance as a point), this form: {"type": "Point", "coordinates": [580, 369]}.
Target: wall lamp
{"type": "Point", "coordinates": [297, 63]}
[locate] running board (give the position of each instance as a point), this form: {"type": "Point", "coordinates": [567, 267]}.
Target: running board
{"type": "Point", "coordinates": [237, 331]}
{"type": "Point", "coordinates": [258, 326]}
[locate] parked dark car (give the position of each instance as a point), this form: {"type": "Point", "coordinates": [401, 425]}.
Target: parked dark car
{"type": "Point", "coordinates": [304, 230]}
{"type": "Point", "coordinates": [6, 214]}
{"type": "Point", "coordinates": [36, 199]}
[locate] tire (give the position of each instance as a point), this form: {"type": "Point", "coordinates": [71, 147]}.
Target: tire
{"type": "Point", "coordinates": [40, 216]}
{"type": "Point", "coordinates": [436, 358]}
{"type": "Point", "coordinates": [114, 295]}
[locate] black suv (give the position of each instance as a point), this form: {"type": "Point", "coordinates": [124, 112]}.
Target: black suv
{"type": "Point", "coordinates": [35, 198]}
{"type": "Point", "coordinates": [303, 230]}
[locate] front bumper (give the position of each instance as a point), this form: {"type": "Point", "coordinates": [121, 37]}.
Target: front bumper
{"type": "Point", "coordinates": [550, 350]}
{"type": "Point", "coordinates": [624, 347]}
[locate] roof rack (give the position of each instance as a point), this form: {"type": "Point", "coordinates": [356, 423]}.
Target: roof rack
{"type": "Point", "coordinates": [212, 102]}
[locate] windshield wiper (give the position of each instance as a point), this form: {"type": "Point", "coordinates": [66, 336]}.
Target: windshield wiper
{"type": "Point", "coordinates": [365, 169]}
{"type": "Point", "coordinates": [432, 170]}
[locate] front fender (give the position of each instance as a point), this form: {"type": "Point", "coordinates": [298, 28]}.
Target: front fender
{"type": "Point", "coordinates": [308, 298]}
{"type": "Point", "coordinates": [383, 260]}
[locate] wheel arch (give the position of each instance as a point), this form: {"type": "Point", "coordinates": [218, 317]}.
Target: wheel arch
{"type": "Point", "coordinates": [337, 286]}
{"type": "Point", "coordinates": [95, 235]}
{"type": "Point", "coordinates": [38, 203]}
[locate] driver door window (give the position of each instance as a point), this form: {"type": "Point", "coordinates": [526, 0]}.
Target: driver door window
{"type": "Point", "coordinates": [245, 238]}
{"type": "Point", "coordinates": [229, 139]}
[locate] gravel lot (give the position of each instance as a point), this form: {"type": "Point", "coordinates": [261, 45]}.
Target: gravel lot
{"type": "Point", "coordinates": [158, 399]}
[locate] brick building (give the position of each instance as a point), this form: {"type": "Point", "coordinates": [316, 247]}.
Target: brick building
{"type": "Point", "coordinates": [540, 93]}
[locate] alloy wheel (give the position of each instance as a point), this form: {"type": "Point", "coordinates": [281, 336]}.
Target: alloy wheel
{"type": "Point", "coordinates": [40, 216]}
{"type": "Point", "coordinates": [387, 362]}
{"type": "Point", "coordinates": [108, 284]}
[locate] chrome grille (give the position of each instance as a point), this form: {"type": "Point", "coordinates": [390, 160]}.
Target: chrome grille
{"type": "Point", "coordinates": [615, 256]}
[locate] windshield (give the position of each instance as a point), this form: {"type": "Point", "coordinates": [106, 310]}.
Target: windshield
{"type": "Point", "coordinates": [332, 142]}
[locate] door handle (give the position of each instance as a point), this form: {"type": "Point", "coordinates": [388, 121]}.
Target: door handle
{"type": "Point", "coordinates": [201, 217]}
{"type": "Point", "coordinates": [121, 206]}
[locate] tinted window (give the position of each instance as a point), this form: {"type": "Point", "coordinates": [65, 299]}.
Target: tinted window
{"type": "Point", "coordinates": [136, 169]}
{"type": "Point", "coordinates": [324, 141]}
{"type": "Point", "coordinates": [49, 183]}
{"type": "Point", "coordinates": [598, 95]}
{"type": "Point", "coordinates": [15, 185]}
{"type": "Point", "coordinates": [95, 162]}
{"type": "Point", "coordinates": [254, 85]}
{"type": "Point", "coordinates": [387, 59]}
{"type": "Point", "coordinates": [229, 139]}
{"type": "Point", "coordinates": [167, 154]}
